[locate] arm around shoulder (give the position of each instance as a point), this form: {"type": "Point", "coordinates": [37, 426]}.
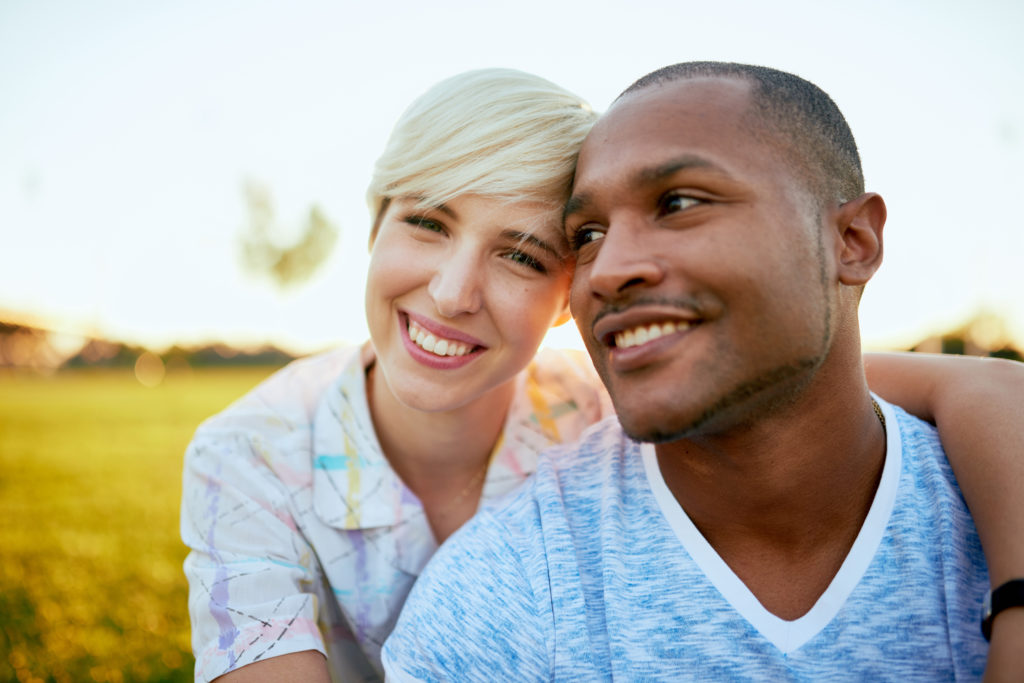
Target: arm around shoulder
{"type": "Point", "coordinates": [976, 405]}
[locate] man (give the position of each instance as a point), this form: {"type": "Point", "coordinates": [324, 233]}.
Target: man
{"type": "Point", "coordinates": [762, 516]}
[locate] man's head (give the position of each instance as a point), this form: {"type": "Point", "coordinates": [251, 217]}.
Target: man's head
{"type": "Point", "coordinates": [723, 238]}
{"type": "Point", "coordinates": [796, 115]}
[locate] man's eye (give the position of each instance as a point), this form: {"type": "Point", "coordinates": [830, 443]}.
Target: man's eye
{"type": "Point", "coordinates": [678, 202]}
{"type": "Point", "coordinates": [584, 236]}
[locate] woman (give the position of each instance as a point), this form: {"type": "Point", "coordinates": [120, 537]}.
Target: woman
{"type": "Point", "coordinates": [312, 504]}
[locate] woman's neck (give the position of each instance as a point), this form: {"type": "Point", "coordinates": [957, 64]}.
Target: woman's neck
{"type": "Point", "coordinates": [441, 456]}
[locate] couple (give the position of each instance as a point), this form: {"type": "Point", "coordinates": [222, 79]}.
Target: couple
{"type": "Point", "coordinates": [776, 520]}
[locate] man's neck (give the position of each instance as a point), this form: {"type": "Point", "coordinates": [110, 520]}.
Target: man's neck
{"type": "Point", "coordinates": [783, 498]}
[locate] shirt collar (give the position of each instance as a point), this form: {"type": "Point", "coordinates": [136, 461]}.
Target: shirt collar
{"type": "Point", "coordinates": [354, 486]}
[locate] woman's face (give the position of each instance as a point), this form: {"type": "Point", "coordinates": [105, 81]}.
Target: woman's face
{"type": "Point", "coordinates": [458, 297]}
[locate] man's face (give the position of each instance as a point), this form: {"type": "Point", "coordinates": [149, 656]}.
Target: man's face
{"type": "Point", "coordinates": [704, 285]}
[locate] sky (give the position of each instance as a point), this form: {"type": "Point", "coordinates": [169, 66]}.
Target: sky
{"type": "Point", "coordinates": [128, 132]}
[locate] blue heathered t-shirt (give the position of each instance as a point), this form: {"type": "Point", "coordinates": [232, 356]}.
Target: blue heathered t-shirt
{"type": "Point", "coordinates": [593, 571]}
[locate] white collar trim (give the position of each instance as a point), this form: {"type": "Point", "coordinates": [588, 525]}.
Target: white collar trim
{"type": "Point", "coordinates": [788, 636]}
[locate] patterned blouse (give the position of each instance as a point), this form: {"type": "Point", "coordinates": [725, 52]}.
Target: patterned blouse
{"type": "Point", "coordinates": [304, 538]}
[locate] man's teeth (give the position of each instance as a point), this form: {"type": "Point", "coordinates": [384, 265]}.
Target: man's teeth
{"type": "Point", "coordinates": [435, 345]}
{"type": "Point", "coordinates": [635, 336]}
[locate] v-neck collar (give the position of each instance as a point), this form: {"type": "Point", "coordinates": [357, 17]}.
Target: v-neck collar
{"type": "Point", "coordinates": [785, 635]}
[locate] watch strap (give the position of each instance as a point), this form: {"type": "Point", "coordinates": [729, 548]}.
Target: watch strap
{"type": "Point", "coordinates": [1010, 594]}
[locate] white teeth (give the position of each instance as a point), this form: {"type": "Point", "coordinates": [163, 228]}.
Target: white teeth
{"type": "Point", "coordinates": [641, 335]}
{"type": "Point", "coordinates": [440, 347]}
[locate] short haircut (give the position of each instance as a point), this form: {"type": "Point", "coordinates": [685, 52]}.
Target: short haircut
{"type": "Point", "coordinates": [807, 119]}
{"type": "Point", "coordinates": [498, 133]}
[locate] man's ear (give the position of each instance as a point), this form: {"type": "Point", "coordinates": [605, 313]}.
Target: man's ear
{"type": "Point", "coordinates": [859, 223]}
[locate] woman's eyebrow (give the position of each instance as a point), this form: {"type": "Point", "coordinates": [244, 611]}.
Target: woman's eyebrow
{"type": "Point", "coordinates": [422, 204]}
{"type": "Point", "coordinates": [447, 210]}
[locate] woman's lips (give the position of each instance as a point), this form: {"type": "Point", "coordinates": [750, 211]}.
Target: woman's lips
{"type": "Point", "coordinates": [437, 346]}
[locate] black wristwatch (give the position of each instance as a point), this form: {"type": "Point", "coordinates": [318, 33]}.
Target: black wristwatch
{"type": "Point", "coordinates": [1010, 594]}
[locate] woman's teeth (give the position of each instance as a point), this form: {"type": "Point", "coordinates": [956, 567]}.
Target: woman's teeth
{"type": "Point", "coordinates": [438, 346]}
{"type": "Point", "coordinates": [636, 336]}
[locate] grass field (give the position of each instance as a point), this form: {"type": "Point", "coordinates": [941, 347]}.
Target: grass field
{"type": "Point", "coordinates": [91, 586]}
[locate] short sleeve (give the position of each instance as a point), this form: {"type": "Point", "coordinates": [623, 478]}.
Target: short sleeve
{"type": "Point", "coordinates": [251, 573]}
{"type": "Point", "coordinates": [473, 615]}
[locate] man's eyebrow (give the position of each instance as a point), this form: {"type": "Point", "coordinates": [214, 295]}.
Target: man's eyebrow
{"type": "Point", "coordinates": [673, 166]}
{"type": "Point", "coordinates": [645, 176]}
{"type": "Point", "coordinates": [574, 204]}
{"type": "Point", "coordinates": [517, 236]}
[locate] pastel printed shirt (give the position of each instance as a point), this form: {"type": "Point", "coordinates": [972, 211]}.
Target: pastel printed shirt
{"type": "Point", "coordinates": [304, 538]}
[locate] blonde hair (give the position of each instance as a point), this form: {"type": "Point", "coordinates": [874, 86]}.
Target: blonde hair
{"type": "Point", "coordinates": [497, 133]}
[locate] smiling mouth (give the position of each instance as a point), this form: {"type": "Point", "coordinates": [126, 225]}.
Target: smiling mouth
{"type": "Point", "coordinates": [439, 346]}
{"type": "Point", "coordinates": [641, 334]}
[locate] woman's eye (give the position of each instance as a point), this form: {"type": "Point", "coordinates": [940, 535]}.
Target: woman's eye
{"type": "Point", "coordinates": [678, 202]}
{"type": "Point", "coordinates": [527, 260]}
{"type": "Point", "coordinates": [584, 236]}
{"type": "Point", "coordinates": [424, 223]}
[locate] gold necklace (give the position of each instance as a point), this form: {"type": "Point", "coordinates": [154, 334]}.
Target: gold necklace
{"type": "Point", "coordinates": [878, 412]}
{"type": "Point", "coordinates": [469, 487]}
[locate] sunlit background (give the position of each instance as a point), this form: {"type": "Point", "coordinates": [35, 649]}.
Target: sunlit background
{"type": "Point", "coordinates": [181, 179]}
{"type": "Point", "coordinates": [130, 131]}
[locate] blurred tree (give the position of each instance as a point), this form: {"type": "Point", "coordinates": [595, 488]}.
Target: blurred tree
{"type": "Point", "coordinates": [267, 252]}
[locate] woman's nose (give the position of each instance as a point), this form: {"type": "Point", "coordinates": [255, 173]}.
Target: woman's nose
{"type": "Point", "coordinates": [456, 286]}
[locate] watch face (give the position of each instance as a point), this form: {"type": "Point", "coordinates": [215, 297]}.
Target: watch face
{"type": "Point", "coordinates": [986, 616]}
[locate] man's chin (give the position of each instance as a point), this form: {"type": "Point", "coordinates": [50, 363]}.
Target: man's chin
{"type": "Point", "coordinates": [662, 431]}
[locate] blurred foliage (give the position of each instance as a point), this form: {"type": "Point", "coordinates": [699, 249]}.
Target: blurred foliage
{"type": "Point", "coordinates": [91, 585]}
{"type": "Point", "coordinates": [268, 251]}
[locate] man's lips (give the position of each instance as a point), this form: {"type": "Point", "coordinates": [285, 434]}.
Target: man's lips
{"type": "Point", "coordinates": [641, 334]}
{"type": "Point", "coordinates": [638, 326]}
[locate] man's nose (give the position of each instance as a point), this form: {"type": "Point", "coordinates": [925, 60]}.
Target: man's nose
{"type": "Point", "coordinates": [626, 258]}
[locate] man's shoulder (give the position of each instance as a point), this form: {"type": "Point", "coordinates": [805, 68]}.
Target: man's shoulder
{"type": "Point", "coordinates": [574, 469]}
{"type": "Point", "coordinates": [921, 451]}
{"type": "Point", "coordinates": [915, 432]}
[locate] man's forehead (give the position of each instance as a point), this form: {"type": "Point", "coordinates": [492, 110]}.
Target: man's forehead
{"type": "Point", "coordinates": [664, 120]}
{"type": "Point", "coordinates": [703, 97]}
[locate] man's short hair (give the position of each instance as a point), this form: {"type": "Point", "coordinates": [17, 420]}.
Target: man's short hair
{"type": "Point", "coordinates": [819, 139]}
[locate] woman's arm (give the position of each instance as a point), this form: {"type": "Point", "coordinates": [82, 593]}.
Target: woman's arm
{"type": "Point", "coordinates": [298, 667]}
{"type": "Point", "coordinates": [978, 406]}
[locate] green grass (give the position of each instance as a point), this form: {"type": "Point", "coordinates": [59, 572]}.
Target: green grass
{"type": "Point", "coordinates": [91, 586]}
